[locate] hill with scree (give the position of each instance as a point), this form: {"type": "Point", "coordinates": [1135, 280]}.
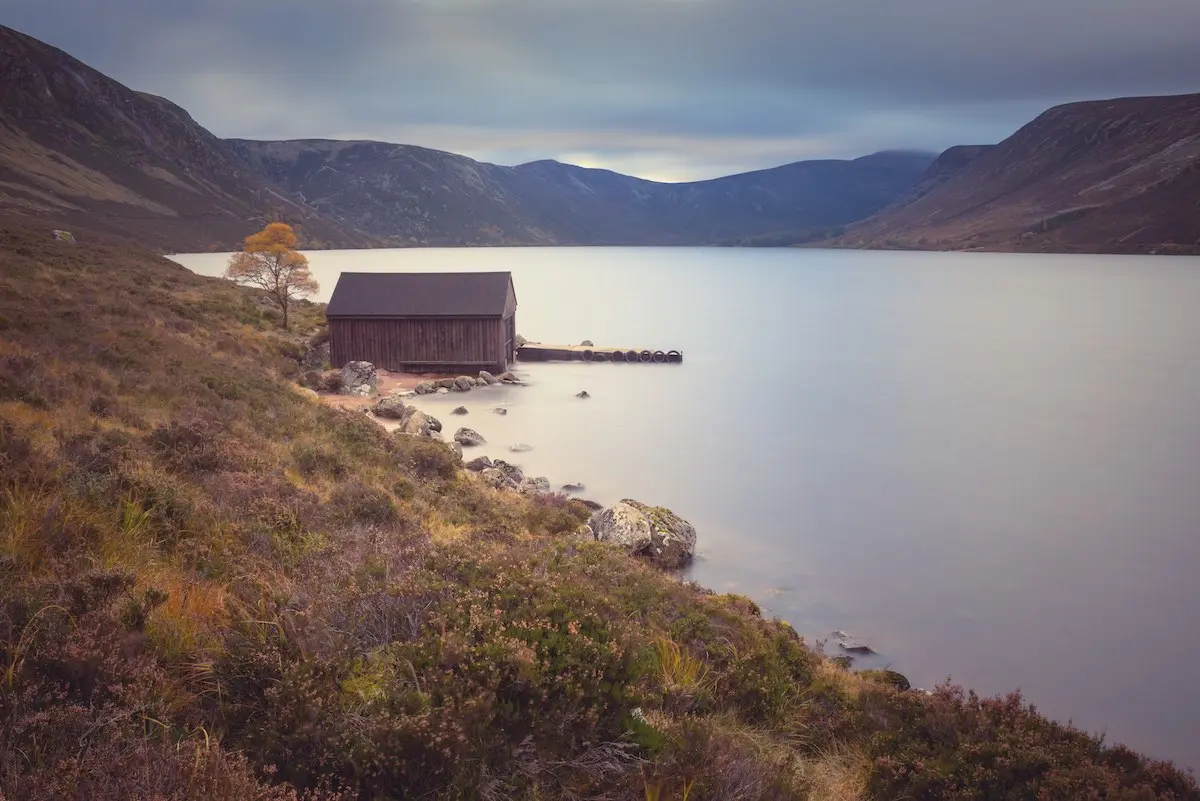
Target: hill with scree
{"type": "Point", "coordinates": [215, 586]}
{"type": "Point", "coordinates": [1110, 176]}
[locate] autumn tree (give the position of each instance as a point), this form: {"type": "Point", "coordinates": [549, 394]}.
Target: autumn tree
{"type": "Point", "coordinates": [270, 261]}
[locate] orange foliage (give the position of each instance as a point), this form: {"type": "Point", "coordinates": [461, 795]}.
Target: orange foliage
{"type": "Point", "coordinates": [269, 261]}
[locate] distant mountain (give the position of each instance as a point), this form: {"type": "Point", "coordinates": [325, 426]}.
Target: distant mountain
{"type": "Point", "coordinates": [80, 150]}
{"type": "Point", "coordinates": [413, 195]}
{"type": "Point", "coordinates": [1119, 176]}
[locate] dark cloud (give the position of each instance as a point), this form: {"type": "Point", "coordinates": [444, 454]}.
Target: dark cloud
{"type": "Point", "coordinates": [677, 88]}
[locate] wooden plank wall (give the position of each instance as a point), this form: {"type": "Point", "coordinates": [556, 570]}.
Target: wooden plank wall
{"type": "Point", "coordinates": [408, 343]}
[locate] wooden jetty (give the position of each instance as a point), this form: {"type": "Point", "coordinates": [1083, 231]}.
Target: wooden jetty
{"type": "Point", "coordinates": [537, 352]}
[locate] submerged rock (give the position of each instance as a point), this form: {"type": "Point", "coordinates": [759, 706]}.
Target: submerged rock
{"type": "Point", "coordinates": [573, 488]}
{"type": "Point", "coordinates": [469, 437]}
{"type": "Point", "coordinates": [391, 408]}
{"type": "Point", "coordinates": [442, 391]}
{"type": "Point", "coordinates": [508, 378]}
{"type": "Point", "coordinates": [587, 343]}
{"type": "Point", "coordinates": [459, 410]}
{"type": "Point", "coordinates": [463, 384]}
{"type": "Point", "coordinates": [651, 532]}
{"type": "Point", "coordinates": [360, 378]}
{"type": "Point", "coordinates": [583, 394]}
{"type": "Point", "coordinates": [499, 410]}
{"type": "Point", "coordinates": [487, 377]}
{"type": "Point", "coordinates": [850, 645]}
{"type": "Point", "coordinates": [520, 447]}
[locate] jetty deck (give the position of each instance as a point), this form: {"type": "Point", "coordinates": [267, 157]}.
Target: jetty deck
{"type": "Point", "coordinates": [538, 352]}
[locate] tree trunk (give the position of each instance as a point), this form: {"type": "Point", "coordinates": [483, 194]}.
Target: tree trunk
{"type": "Point", "coordinates": [283, 302]}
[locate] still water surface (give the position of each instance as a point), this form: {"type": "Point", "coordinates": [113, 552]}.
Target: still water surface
{"type": "Point", "coordinates": [985, 466]}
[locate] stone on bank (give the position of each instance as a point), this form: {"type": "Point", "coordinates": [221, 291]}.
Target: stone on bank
{"type": "Point", "coordinates": [654, 533]}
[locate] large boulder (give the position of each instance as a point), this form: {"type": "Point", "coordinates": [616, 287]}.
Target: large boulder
{"type": "Point", "coordinates": [390, 407]}
{"type": "Point", "coordinates": [464, 383]}
{"type": "Point", "coordinates": [469, 437]}
{"type": "Point", "coordinates": [316, 356]}
{"type": "Point", "coordinates": [360, 378]}
{"type": "Point", "coordinates": [426, 388]}
{"type": "Point", "coordinates": [445, 383]}
{"type": "Point", "coordinates": [416, 422]}
{"type": "Point", "coordinates": [651, 532]}
{"type": "Point", "coordinates": [498, 478]}
{"type": "Point", "coordinates": [515, 474]}
{"type": "Point", "coordinates": [535, 486]}
{"type": "Point", "coordinates": [487, 377]}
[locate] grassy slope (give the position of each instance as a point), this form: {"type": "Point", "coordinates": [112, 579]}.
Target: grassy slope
{"type": "Point", "coordinates": [216, 588]}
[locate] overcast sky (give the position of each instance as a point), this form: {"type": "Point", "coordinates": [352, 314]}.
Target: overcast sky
{"type": "Point", "coordinates": [665, 89]}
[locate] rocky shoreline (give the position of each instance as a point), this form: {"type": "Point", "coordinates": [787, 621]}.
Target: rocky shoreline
{"type": "Point", "coordinates": [652, 533]}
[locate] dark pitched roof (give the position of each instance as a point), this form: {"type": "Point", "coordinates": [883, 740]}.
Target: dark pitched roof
{"type": "Point", "coordinates": [419, 295]}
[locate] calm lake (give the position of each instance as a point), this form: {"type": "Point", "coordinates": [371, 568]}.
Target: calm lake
{"type": "Point", "coordinates": [987, 467]}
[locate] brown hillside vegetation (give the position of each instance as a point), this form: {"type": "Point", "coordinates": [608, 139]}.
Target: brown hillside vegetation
{"type": "Point", "coordinates": [1116, 176]}
{"type": "Point", "coordinates": [86, 152]}
{"type": "Point", "coordinates": [217, 588]}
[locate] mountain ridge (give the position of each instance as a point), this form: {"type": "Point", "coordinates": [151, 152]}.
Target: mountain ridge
{"type": "Point", "coordinates": [1119, 175]}
{"type": "Point", "coordinates": [389, 189]}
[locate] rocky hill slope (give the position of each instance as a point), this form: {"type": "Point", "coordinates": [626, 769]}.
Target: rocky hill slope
{"type": "Point", "coordinates": [214, 586]}
{"type": "Point", "coordinates": [84, 151]}
{"type": "Point", "coordinates": [421, 196]}
{"type": "Point", "coordinates": [1107, 176]}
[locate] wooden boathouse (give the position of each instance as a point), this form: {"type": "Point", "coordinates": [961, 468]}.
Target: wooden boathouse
{"type": "Point", "coordinates": [424, 322]}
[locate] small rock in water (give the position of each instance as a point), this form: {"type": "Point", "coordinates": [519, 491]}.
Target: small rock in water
{"type": "Point", "coordinates": [520, 447]}
{"type": "Point", "coordinates": [587, 343]}
{"type": "Point", "coordinates": [508, 378]}
{"type": "Point", "coordinates": [443, 391]}
{"type": "Point", "coordinates": [583, 394]}
{"type": "Point", "coordinates": [460, 410]}
{"type": "Point", "coordinates": [573, 488]}
{"type": "Point", "coordinates": [848, 643]}
{"type": "Point", "coordinates": [499, 410]}
{"type": "Point", "coordinates": [469, 437]}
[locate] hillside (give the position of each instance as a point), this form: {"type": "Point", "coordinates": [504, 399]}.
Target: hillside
{"type": "Point", "coordinates": [216, 587]}
{"type": "Point", "coordinates": [420, 196]}
{"type": "Point", "coordinates": [85, 152]}
{"type": "Point", "coordinates": [1120, 176]}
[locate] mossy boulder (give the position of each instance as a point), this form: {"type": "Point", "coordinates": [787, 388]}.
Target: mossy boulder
{"type": "Point", "coordinates": [651, 532]}
{"type": "Point", "coordinates": [888, 678]}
